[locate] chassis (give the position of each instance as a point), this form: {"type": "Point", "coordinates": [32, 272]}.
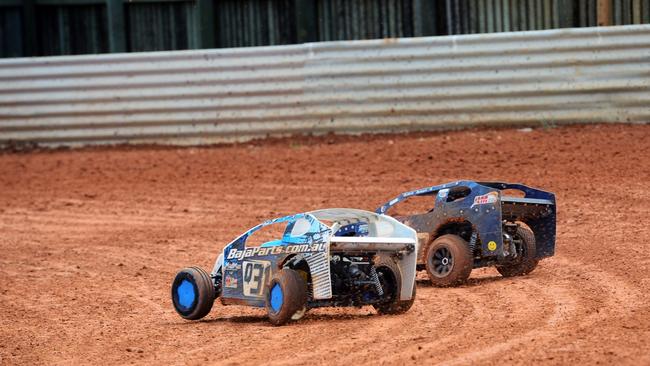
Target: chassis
{"type": "Point", "coordinates": [333, 257]}
{"type": "Point", "coordinates": [478, 224]}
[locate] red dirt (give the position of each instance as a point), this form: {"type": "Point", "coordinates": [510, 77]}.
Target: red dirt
{"type": "Point", "coordinates": [91, 239]}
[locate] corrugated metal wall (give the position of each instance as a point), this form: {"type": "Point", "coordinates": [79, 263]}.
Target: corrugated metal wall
{"type": "Point", "coordinates": [10, 26]}
{"type": "Point", "coordinates": [49, 27]}
{"type": "Point", "coordinates": [486, 16]}
{"type": "Point", "coordinates": [631, 11]}
{"type": "Point", "coordinates": [160, 26]}
{"type": "Point", "coordinates": [364, 19]}
{"type": "Point", "coordinates": [71, 30]}
{"type": "Point", "coordinates": [538, 77]}
{"type": "Point", "coordinates": [243, 23]}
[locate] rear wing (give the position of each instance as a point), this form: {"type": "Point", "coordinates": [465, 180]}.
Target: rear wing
{"type": "Point", "coordinates": [537, 209]}
{"type": "Point", "coordinates": [530, 194]}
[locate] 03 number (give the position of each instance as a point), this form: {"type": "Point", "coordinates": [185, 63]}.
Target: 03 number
{"type": "Point", "coordinates": [255, 273]}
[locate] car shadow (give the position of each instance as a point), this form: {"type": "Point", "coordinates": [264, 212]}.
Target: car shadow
{"type": "Point", "coordinates": [483, 280]}
{"type": "Point", "coordinates": [330, 317]}
{"type": "Point", "coordinates": [471, 282]}
{"type": "Point", "coordinates": [263, 320]}
{"type": "Point", "coordinates": [242, 319]}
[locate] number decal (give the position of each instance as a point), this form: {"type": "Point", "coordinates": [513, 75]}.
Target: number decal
{"type": "Point", "coordinates": [255, 274]}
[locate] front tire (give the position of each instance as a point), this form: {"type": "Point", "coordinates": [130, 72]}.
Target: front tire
{"type": "Point", "coordinates": [192, 293]}
{"type": "Point", "coordinates": [528, 261]}
{"type": "Point", "coordinates": [286, 296]}
{"type": "Point", "coordinates": [449, 261]}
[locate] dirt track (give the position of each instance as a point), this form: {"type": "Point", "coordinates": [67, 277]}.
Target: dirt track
{"type": "Point", "coordinates": [90, 240]}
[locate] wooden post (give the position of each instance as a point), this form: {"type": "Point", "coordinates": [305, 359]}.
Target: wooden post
{"type": "Point", "coordinates": [604, 13]}
{"type": "Point", "coordinates": [116, 26]}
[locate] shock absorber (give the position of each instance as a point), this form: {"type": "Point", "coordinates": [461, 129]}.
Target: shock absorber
{"type": "Point", "coordinates": [375, 279]}
{"type": "Point", "coordinates": [472, 242]}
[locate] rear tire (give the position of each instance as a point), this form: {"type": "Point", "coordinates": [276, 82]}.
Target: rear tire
{"type": "Point", "coordinates": [528, 260]}
{"type": "Point", "coordinates": [192, 293]}
{"type": "Point", "coordinates": [391, 280]}
{"type": "Point", "coordinates": [286, 295]}
{"type": "Point", "coordinates": [449, 261]}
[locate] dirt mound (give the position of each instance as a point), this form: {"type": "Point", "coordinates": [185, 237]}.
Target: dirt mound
{"type": "Point", "coordinates": [91, 239]}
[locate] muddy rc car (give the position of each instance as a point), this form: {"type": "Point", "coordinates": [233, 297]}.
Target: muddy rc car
{"type": "Point", "coordinates": [333, 257]}
{"type": "Point", "coordinates": [468, 225]}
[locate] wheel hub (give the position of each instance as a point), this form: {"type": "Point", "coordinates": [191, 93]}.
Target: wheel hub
{"type": "Point", "coordinates": [277, 298]}
{"type": "Point", "coordinates": [442, 262]}
{"type": "Point", "coordinates": [186, 295]}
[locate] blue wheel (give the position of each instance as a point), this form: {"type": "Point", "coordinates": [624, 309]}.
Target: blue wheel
{"type": "Point", "coordinates": [187, 294]}
{"type": "Point", "coordinates": [286, 295]}
{"type": "Point", "coordinates": [192, 293]}
{"type": "Point", "coordinates": [277, 298]}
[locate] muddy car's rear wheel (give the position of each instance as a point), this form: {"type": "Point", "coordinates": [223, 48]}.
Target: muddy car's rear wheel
{"type": "Point", "coordinates": [448, 261]}
{"type": "Point", "coordinates": [286, 295]}
{"type": "Point", "coordinates": [192, 293]}
{"type": "Point", "coordinates": [527, 260]}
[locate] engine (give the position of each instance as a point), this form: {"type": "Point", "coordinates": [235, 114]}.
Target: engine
{"type": "Point", "coordinates": [355, 281]}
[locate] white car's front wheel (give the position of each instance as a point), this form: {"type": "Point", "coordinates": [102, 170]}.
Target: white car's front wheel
{"type": "Point", "coordinates": [286, 296]}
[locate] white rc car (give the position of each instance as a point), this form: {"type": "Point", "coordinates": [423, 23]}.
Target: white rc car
{"type": "Point", "coordinates": [332, 257]}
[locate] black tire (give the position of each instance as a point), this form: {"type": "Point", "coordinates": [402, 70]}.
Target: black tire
{"type": "Point", "coordinates": [192, 293]}
{"type": "Point", "coordinates": [391, 281]}
{"type": "Point", "coordinates": [448, 261]}
{"type": "Point", "coordinates": [527, 261]}
{"type": "Point", "coordinates": [285, 296]}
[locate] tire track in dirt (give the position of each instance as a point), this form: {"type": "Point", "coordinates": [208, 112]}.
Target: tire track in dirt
{"type": "Point", "coordinates": [112, 212]}
{"type": "Point", "coordinates": [617, 300]}
{"type": "Point", "coordinates": [563, 309]}
{"type": "Point", "coordinates": [498, 308]}
{"type": "Point", "coordinates": [90, 218]}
